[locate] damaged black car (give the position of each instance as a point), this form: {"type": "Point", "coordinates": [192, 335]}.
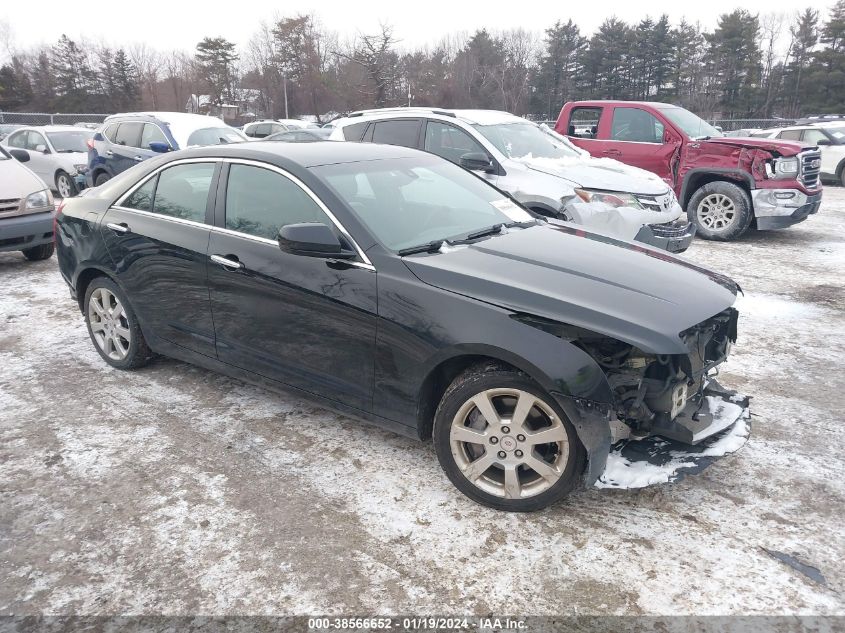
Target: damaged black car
{"type": "Point", "coordinates": [398, 288]}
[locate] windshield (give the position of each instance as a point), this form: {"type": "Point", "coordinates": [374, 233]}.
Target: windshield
{"type": "Point", "coordinates": [215, 136]}
{"type": "Point", "coordinates": [69, 142]}
{"type": "Point", "coordinates": [520, 140]}
{"type": "Point", "coordinates": [690, 124]}
{"type": "Point", "coordinates": [411, 201]}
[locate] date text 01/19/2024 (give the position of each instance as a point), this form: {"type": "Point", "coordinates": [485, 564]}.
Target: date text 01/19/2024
{"type": "Point", "coordinates": [417, 624]}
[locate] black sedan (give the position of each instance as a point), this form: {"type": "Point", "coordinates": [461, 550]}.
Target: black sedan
{"type": "Point", "coordinates": [397, 287]}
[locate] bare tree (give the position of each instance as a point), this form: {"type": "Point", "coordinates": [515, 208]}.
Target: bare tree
{"type": "Point", "coordinates": [376, 55]}
{"type": "Point", "coordinates": [148, 63]}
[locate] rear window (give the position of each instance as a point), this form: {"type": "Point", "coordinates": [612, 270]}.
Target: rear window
{"type": "Point", "coordinates": [584, 122]}
{"type": "Point", "coordinates": [404, 133]}
{"type": "Point", "coordinates": [214, 136]}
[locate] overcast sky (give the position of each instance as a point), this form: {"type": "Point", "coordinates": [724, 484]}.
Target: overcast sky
{"type": "Point", "coordinates": [174, 24]}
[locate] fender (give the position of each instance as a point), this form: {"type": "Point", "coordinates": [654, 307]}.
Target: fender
{"type": "Point", "coordinates": [736, 174]}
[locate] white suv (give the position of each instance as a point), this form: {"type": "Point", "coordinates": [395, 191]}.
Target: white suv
{"type": "Point", "coordinates": [538, 167]}
{"type": "Point", "coordinates": [830, 139]}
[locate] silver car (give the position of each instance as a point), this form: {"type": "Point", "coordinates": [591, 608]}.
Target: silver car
{"type": "Point", "coordinates": [58, 154]}
{"type": "Point", "coordinates": [538, 167]}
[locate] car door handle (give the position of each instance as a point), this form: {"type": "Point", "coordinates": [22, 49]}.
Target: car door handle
{"type": "Point", "coordinates": [227, 262]}
{"type": "Point", "coordinates": [138, 158]}
{"type": "Point", "coordinates": [119, 228]}
{"type": "Point", "coordinates": [612, 152]}
{"type": "Point", "coordinates": [109, 152]}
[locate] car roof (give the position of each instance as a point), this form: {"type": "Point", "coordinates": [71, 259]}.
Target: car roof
{"type": "Point", "coordinates": [654, 104]}
{"type": "Point", "coordinates": [52, 128]}
{"type": "Point", "coordinates": [477, 117]}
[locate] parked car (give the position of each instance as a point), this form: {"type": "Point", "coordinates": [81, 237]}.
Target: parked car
{"type": "Point", "coordinates": [308, 135]}
{"type": "Point", "coordinates": [828, 137]}
{"type": "Point", "coordinates": [263, 129]}
{"type": "Point", "coordinates": [538, 167]}
{"type": "Point", "coordinates": [397, 287]}
{"type": "Point", "coordinates": [26, 208]}
{"type": "Point", "coordinates": [125, 140]}
{"type": "Point", "coordinates": [727, 185]}
{"type": "Point", "coordinates": [8, 128]}
{"type": "Point", "coordinates": [57, 154]}
{"type": "Point", "coordinates": [298, 124]}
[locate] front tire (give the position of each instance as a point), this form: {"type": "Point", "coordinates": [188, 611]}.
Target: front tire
{"type": "Point", "coordinates": [65, 185]}
{"type": "Point", "coordinates": [37, 253]}
{"type": "Point", "coordinates": [720, 210]}
{"type": "Point", "coordinates": [101, 178]}
{"type": "Point", "coordinates": [113, 326]}
{"type": "Point", "coordinates": [505, 443]}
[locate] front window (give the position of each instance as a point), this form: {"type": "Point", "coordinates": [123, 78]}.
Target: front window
{"type": "Point", "coordinates": [215, 136]}
{"type": "Point", "coordinates": [412, 201]}
{"type": "Point", "coordinates": [836, 135]}
{"type": "Point", "coordinates": [690, 124]}
{"type": "Point", "coordinates": [70, 142]}
{"type": "Point", "coordinates": [527, 140]}
{"type": "Point", "coordinates": [635, 126]}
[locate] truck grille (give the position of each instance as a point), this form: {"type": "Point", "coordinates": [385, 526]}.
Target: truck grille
{"type": "Point", "coordinates": [9, 206]}
{"type": "Point", "coordinates": [811, 167]}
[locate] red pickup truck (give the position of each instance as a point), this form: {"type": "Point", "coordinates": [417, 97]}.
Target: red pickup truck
{"type": "Point", "coordinates": [726, 184]}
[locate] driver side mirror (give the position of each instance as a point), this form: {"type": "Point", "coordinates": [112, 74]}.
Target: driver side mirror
{"type": "Point", "coordinates": [476, 161]}
{"type": "Point", "coordinates": [312, 239]}
{"type": "Point", "coordinates": [42, 149]}
{"type": "Point", "coordinates": [823, 141]}
{"type": "Point", "coordinates": [19, 155]}
{"type": "Point", "coordinates": [159, 147]}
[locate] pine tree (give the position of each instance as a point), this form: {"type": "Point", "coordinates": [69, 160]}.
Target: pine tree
{"type": "Point", "coordinates": [805, 36]}
{"type": "Point", "coordinates": [216, 60]}
{"type": "Point", "coordinates": [75, 80]}
{"type": "Point", "coordinates": [559, 68]}
{"type": "Point", "coordinates": [733, 62]}
{"type": "Point", "coordinates": [826, 75]}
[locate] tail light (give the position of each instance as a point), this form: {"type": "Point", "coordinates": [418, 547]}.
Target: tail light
{"type": "Point", "coordinates": [90, 143]}
{"type": "Point", "coordinates": [56, 220]}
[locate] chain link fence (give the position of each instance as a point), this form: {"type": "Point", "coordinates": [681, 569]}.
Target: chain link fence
{"type": "Point", "coordinates": [732, 125]}
{"type": "Point", "coordinates": [45, 118]}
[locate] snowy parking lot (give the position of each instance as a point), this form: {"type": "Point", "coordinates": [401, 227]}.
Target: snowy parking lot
{"type": "Point", "coordinates": [173, 490]}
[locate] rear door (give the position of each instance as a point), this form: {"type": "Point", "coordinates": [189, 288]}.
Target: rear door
{"type": "Point", "coordinates": [305, 321]}
{"type": "Point", "coordinates": [157, 236]}
{"type": "Point", "coordinates": [126, 149]}
{"type": "Point", "coordinates": [42, 164]}
{"type": "Point", "coordinates": [582, 128]}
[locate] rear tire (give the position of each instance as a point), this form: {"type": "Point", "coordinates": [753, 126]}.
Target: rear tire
{"type": "Point", "coordinates": [113, 326]}
{"type": "Point", "coordinates": [720, 211]}
{"type": "Point", "coordinates": [37, 253]}
{"type": "Point", "coordinates": [524, 459]}
{"type": "Point", "coordinates": [65, 185]}
{"type": "Point", "coordinates": [100, 178]}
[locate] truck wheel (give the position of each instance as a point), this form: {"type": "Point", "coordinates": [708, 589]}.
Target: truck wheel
{"type": "Point", "coordinates": [37, 253]}
{"type": "Point", "coordinates": [720, 211]}
{"type": "Point", "coordinates": [504, 443]}
{"type": "Point", "coordinates": [101, 178]}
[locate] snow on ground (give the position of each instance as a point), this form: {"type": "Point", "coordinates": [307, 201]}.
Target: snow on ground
{"type": "Point", "coordinates": [175, 490]}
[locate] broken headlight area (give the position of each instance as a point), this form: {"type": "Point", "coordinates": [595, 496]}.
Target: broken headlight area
{"type": "Point", "coordinates": [661, 394]}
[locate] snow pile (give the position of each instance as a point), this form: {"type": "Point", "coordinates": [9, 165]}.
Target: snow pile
{"type": "Point", "coordinates": [655, 460]}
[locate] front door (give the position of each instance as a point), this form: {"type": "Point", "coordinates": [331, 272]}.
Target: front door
{"type": "Point", "coordinates": [304, 321]}
{"type": "Point", "coordinates": [157, 237]}
{"type": "Point", "coordinates": [642, 140]}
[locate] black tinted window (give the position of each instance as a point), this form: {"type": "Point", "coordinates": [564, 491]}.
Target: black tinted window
{"type": "Point", "coordinates": [129, 134]}
{"type": "Point", "coordinates": [354, 132]}
{"type": "Point", "coordinates": [449, 142]}
{"type": "Point", "coordinates": [182, 191]}
{"type": "Point", "coordinates": [397, 133]}
{"type": "Point", "coordinates": [260, 202]}
{"type": "Point", "coordinates": [142, 198]}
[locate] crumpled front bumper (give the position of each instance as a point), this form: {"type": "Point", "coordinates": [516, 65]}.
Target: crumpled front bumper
{"type": "Point", "coordinates": [674, 237]}
{"type": "Point", "coordinates": [712, 425]}
{"type": "Point", "coordinates": [774, 212]}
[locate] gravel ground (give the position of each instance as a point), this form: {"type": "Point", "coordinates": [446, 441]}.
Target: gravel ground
{"type": "Point", "coordinates": [173, 490]}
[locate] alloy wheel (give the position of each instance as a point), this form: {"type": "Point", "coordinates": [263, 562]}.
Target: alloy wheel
{"type": "Point", "coordinates": [109, 324]}
{"type": "Point", "coordinates": [64, 186]}
{"type": "Point", "coordinates": [509, 443]}
{"type": "Point", "coordinates": [716, 212]}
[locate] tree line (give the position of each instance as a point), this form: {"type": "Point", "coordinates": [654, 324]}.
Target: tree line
{"type": "Point", "coordinates": [749, 65]}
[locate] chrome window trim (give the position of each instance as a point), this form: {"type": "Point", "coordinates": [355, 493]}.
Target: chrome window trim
{"type": "Point", "coordinates": [364, 264]}
{"type": "Point", "coordinates": [311, 194]}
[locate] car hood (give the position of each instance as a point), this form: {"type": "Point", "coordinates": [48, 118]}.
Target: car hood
{"type": "Point", "coordinates": [598, 173]}
{"type": "Point", "coordinates": [17, 181]}
{"type": "Point", "coordinates": [778, 146]}
{"type": "Point", "coordinates": [625, 291]}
